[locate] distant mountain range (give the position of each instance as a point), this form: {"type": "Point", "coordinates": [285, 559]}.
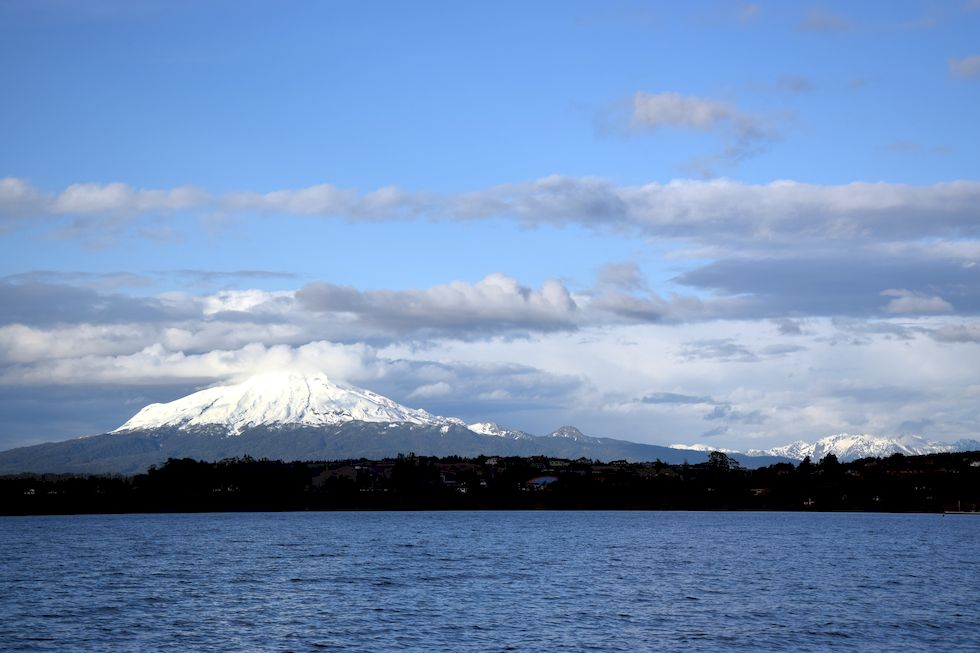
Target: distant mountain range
{"type": "Point", "coordinates": [293, 416]}
{"type": "Point", "coordinates": [847, 447]}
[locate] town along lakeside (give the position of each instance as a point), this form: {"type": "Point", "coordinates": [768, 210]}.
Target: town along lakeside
{"type": "Point", "coordinates": [930, 483]}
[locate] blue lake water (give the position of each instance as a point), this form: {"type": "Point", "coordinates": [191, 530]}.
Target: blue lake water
{"type": "Point", "coordinates": [491, 581]}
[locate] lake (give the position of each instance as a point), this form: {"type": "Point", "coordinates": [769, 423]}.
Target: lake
{"type": "Point", "coordinates": [491, 581]}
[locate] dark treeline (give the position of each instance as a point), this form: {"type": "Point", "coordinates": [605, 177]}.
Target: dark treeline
{"type": "Point", "coordinates": [932, 483]}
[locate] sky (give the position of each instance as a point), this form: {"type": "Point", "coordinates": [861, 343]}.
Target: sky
{"type": "Point", "coordinates": [738, 224]}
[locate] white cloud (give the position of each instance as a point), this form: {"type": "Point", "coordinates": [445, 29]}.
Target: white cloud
{"type": "Point", "coordinates": [328, 200]}
{"type": "Point", "coordinates": [123, 199]}
{"type": "Point", "coordinates": [717, 212]}
{"type": "Point", "coordinates": [907, 301]}
{"type": "Point", "coordinates": [157, 364]}
{"type": "Point", "coordinates": [430, 390]}
{"type": "Point", "coordinates": [654, 110]}
{"type": "Point", "coordinates": [772, 385]}
{"type": "Point", "coordinates": [25, 344]}
{"type": "Point", "coordinates": [494, 303]}
{"type": "Point", "coordinates": [743, 134]}
{"type": "Point", "coordinates": [774, 390]}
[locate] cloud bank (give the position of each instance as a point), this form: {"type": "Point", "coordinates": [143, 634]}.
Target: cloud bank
{"type": "Point", "coordinates": [717, 211]}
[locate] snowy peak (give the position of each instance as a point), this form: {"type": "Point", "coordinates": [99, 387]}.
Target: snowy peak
{"type": "Point", "coordinates": [847, 447]}
{"type": "Point", "coordinates": [277, 399]}
{"type": "Point", "coordinates": [494, 429]}
{"type": "Point", "coordinates": [571, 433]}
{"type": "Point", "coordinates": [851, 447]}
{"type": "Point", "coordinates": [797, 450]}
{"type": "Point", "coordinates": [701, 447]}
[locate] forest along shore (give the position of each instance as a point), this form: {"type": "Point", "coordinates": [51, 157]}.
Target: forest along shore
{"type": "Point", "coordinates": [945, 482]}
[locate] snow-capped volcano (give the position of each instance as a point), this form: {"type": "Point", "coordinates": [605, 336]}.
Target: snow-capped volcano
{"type": "Point", "coordinates": [279, 399]}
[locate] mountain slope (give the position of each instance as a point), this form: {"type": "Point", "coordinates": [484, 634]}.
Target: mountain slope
{"type": "Point", "coordinates": [278, 398]}
{"type": "Point", "coordinates": [133, 451]}
{"type": "Point", "coordinates": [573, 434]}
{"type": "Point", "coordinates": [492, 428]}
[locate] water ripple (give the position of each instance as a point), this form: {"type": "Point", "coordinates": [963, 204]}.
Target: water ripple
{"type": "Point", "coordinates": [511, 581]}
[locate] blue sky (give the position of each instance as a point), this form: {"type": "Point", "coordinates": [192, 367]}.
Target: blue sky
{"type": "Point", "coordinates": [536, 213]}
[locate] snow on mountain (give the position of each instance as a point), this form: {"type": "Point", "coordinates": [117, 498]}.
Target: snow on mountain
{"type": "Point", "coordinates": [849, 447]}
{"type": "Point", "coordinates": [276, 399]}
{"type": "Point", "coordinates": [494, 429]}
{"type": "Point", "coordinates": [797, 450]}
{"type": "Point", "coordinates": [967, 445]}
{"type": "Point", "coordinates": [571, 433]}
{"type": "Point", "coordinates": [289, 398]}
{"type": "Point", "coordinates": [702, 447]}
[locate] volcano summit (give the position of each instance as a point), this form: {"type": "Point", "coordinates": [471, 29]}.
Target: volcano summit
{"type": "Point", "coordinates": [278, 399]}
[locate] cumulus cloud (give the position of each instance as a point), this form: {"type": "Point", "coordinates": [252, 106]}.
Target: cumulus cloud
{"type": "Point", "coordinates": [157, 364]}
{"type": "Point", "coordinates": [467, 389]}
{"type": "Point", "coordinates": [907, 301]}
{"type": "Point", "coordinates": [677, 375]}
{"type": "Point", "coordinates": [966, 68]}
{"type": "Point", "coordinates": [496, 302]}
{"type": "Point", "coordinates": [44, 321]}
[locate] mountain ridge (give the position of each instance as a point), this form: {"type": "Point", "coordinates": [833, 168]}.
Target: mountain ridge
{"type": "Point", "coordinates": [294, 416]}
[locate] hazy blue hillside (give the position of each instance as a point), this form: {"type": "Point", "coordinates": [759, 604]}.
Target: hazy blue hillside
{"type": "Point", "coordinates": [134, 451]}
